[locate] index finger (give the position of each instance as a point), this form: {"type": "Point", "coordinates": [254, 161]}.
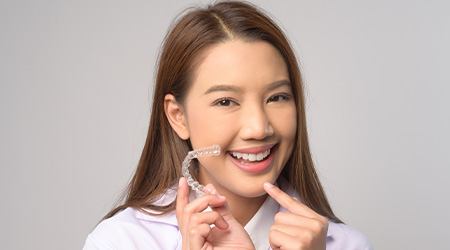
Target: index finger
{"type": "Point", "coordinates": [292, 205]}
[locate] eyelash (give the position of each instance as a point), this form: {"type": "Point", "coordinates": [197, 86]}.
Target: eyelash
{"type": "Point", "coordinates": [219, 102]}
{"type": "Point", "coordinates": [285, 97]}
{"type": "Point", "coordinates": [228, 100]}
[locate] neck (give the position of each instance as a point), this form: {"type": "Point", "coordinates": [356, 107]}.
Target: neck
{"type": "Point", "coordinates": [242, 208]}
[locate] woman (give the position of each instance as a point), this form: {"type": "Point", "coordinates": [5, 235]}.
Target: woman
{"type": "Point", "coordinates": [228, 76]}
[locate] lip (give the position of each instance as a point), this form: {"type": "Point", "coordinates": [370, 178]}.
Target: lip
{"type": "Point", "coordinates": [254, 150]}
{"type": "Point", "coordinates": [254, 167]}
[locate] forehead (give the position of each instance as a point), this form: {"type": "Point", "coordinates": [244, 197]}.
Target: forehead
{"type": "Point", "coordinates": [236, 62]}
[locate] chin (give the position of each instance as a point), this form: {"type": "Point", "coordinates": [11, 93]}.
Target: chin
{"type": "Point", "coordinates": [250, 192]}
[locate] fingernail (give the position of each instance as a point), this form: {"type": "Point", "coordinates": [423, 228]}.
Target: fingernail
{"type": "Point", "coordinates": [268, 185]}
{"type": "Point", "coordinates": [222, 224]}
{"type": "Point", "coordinates": [207, 190]}
{"type": "Point", "coordinates": [180, 182]}
{"type": "Point", "coordinates": [220, 196]}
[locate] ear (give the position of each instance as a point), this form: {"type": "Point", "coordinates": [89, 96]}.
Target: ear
{"type": "Point", "coordinates": [176, 116]}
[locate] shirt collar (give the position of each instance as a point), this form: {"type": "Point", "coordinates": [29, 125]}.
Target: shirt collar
{"type": "Point", "coordinates": [259, 225]}
{"type": "Point", "coordinates": [164, 199]}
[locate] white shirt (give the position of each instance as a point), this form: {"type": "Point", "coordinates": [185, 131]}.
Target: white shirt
{"type": "Point", "coordinates": [131, 229]}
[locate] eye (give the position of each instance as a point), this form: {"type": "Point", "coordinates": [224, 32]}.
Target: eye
{"type": "Point", "coordinates": [279, 97]}
{"type": "Point", "coordinates": [224, 102]}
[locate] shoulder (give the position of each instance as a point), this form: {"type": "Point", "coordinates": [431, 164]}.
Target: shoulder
{"type": "Point", "coordinates": [133, 229]}
{"type": "Point", "coordinates": [342, 236]}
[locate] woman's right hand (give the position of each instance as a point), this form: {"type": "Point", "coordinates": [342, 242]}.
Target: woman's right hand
{"type": "Point", "coordinates": [195, 224]}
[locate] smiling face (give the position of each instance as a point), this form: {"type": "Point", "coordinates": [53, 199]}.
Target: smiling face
{"type": "Point", "coordinates": [240, 99]}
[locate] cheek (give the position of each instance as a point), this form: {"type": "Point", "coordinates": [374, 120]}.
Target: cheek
{"type": "Point", "coordinates": [285, 122]}
{"type": "Point", "coordinates": [206, 127]}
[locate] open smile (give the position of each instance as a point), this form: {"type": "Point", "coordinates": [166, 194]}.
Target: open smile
{"type": "Point", "coordinates": [253, 160]}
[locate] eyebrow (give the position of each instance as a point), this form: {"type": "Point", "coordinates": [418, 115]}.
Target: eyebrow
{"type": "Point", "coordinates": [233, 88]}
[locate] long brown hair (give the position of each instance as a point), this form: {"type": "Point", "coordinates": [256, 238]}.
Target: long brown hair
{"type": "Point", "coordinates": [199, 28]}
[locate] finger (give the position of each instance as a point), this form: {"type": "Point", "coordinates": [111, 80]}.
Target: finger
{"type": "Point", "coordinates": [209, 218]}
{"type": "Point", "coordinates": [201, 203]}
{"type": "Point", "coordinates": [182, 199]}
{"type": "Point", "coordinates": [210, 189]}
{"type": "Point", "coordinates": [286, 201]}
{"type": "Point", "coordinates": [224, 209]}
{"type": "Point", "coordinates": [287, 218]}
{"type": "Point", "coordinates": [198, 235]}
{"type": "Point", "coordinates": [278, 240]}
{"type": "Point", "coordinates": [291, 230]}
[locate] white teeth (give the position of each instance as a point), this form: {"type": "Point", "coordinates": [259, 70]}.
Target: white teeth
{"type": "Point", "coordinates": [251, 157]}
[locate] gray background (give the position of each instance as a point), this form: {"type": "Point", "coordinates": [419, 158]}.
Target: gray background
{"type": "Point", "coordinates": [76, 80]}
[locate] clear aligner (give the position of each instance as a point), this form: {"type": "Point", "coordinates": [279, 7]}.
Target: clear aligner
{"type": "Point", "coordinates": [213, 150]}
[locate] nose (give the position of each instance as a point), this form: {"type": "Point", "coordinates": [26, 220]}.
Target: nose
{"type": "Point", "coordinates": [255, 124]}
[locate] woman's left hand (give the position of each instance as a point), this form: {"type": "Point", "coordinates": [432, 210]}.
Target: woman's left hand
{"type": "Point", "coordinates": [297, 228]}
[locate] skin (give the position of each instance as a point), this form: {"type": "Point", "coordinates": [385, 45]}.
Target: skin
{"type": "Point", "coordinates": [298, 228]}
{"type": "Point", "coordinates": [254, 112]}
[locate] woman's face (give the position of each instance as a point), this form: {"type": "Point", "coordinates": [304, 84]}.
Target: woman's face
{"type": "Point", "coordinates": [241, 99]}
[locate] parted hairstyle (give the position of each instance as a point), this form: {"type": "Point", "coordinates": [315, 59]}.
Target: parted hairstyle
{"type": "Point", "coordinates": [197, 29]}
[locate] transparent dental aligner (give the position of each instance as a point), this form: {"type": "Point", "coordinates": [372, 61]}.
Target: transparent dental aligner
{"type": "Point", "coordinates": [213, 150]}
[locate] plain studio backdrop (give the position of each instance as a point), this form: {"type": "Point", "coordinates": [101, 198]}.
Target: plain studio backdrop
{"type": "Point", "coordinates": [76, 85]}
